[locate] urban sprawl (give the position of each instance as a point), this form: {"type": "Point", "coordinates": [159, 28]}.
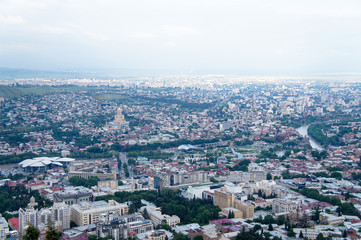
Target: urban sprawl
{"type": "Point", "coordinates": [181, 157]}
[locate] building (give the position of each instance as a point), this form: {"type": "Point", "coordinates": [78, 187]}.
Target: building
{"type": "Point", "coordinates": [87, 175]}
{"type": "Point", "coordinates": [85, 213]}
{"type": "Point", "coordinates": [58, 214]}
{"type": "Point", "coordinates": [284, 206]}
{"type": "Point", "coordinates": [223, 198]}
{"type": "Point", "coordinates": [189, 178]}
{"type": "Point", "coordinates": [153, 235]}
{"type": "Point", "coordinates": [42, 164]}
{"type": "Point", "coordinates": [73, 195]}
{"type": "Point", "coordinates": [119, 120]}
{"type": "Point", "coordinates": [27, 216]}
{"type": "Point", "coordinates": [257, 175]}
{"type": "Point", "coordinates": [4, 228]}
{"type": "Point", "coordinates": [237, 213]}
{"type": "Point", "coordinates": [245, 207]}
{"type": "Point", "coordinates": [226, 199]}
{"type": "Point", "coordinates": [329, 219]}
{"type": "Point", "coordinates": [108, 183]}
{"type": "Point", "coordinates": [163, 180]}
{"type": "Point", "coordinates": [158, 218]}
{"type": "Point", "coordinates": [119, 227]}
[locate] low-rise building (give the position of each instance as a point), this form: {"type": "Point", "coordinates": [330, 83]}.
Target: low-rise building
{"type": "Point", "coordinates": [73, 195]}
{"type": "Point", "coordinates": [85, 213]}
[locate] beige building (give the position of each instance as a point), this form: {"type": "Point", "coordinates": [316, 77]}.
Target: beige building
{"type": "Point", "coordinates": [225, 199]}
{"type": "Point", "coordinates": [85, 213]}
{"type": "Point", "coordinates": [237, 213]}
{"type": "Point", "coordinates": [108, 183]}
{"type": "Point", "coordinates": [246, 208]}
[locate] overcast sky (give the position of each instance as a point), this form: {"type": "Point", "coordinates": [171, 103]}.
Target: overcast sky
{"type": "Point", "coordinates": [252, 37]}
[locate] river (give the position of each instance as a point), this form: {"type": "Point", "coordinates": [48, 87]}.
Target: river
{"type": "Point", "coordinates": [303, 131]}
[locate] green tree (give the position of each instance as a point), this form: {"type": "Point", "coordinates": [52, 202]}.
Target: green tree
{"type": "Point", "coordinates": [270, 227]}
{"type": "Point", "coordinates": [52, 234]}
{"type": "Point", "coordinates": [166, 227]}
{"type": "Point", "coordinates": [269, 176]}
{"type": "Point", "coordinates": [320, 237]}
{"type": "Point", "coordinates": [198, 237]}
{"type": "Point", "coordinates": [301, 234]}
{"type": "Point", "coordinates": [337, 175]}
{"type": "Point", "coordinates": [31, 233]}
{"type": "Point", "coordinates": [281, 220]}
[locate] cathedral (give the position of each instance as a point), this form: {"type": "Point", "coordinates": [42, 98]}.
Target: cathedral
{"type": "Point", "coordinates": [119, 120]}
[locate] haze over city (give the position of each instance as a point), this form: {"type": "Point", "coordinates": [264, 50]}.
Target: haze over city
{"type": "Point", "coordinates": [238, 37]}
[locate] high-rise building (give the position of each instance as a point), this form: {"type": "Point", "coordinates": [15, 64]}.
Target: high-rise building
{"type": "Point", "coordinates": [223, 198]}
{"type": "Point", "coordinates": [59, 214]}
{"type": "Point", "coordinates": [27, 216]}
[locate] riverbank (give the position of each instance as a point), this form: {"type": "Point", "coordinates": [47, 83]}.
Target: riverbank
{"type": "Point", "coordinates": [303, 131]}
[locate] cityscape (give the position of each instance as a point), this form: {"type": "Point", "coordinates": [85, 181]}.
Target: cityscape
{"type": "Point", "coordinates": [147, 160]}
{"type": "Point", "coordinates": [180, 120]}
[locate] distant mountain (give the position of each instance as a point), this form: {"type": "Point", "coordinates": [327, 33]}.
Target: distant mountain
{"type": "Point", "coordinates": [13, 73]}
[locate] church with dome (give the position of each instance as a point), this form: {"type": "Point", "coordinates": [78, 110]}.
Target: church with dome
{"type": "Point", "coordinates": [119, 120]}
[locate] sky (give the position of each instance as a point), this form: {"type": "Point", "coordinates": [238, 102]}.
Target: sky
{"type": "Point", "coordinates": [238, 36]}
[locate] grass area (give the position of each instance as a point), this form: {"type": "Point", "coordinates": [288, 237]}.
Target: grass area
{"type": "Point", "coordinates": [17, 91]}
{"type": "Point", "coordinates": [108, 96]}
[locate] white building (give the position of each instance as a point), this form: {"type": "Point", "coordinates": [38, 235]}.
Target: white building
{"type": "Point", "coordinates": [85, 213]}
{"type": "Point", "coordinates": [4, 228]}
{"type": "Point", "coordinates": [59, 214]}
{"type": "Point", "coordinates": [284, 205]}
{"type": "Point", "coordinates": [158, 218]}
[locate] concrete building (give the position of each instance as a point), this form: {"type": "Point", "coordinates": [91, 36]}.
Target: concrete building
{"type": "Point", "coordinates": [163, 180]}
{"type": "Point", "coordinates": [284, 205]}
{"type": "Point", "coordinates": [257, 175]}
{"type": "Point", "coordinates": [223, 198]}
{"type": "Point", "coordinates": [73, 195]}
{"type": "Point", "coordinates": [108, 183]}
{"type": "Point", "coordinates": [237, 213]}
{"type": "Point", "coordinates": [4, 228]}
{"type": "Point", "coordinates": [245, 207]}
{"type": "Point", "coordinates": [85, 213]}
{"type": "Point", "coordinates": [226, 199]}
{"type": "Point", "coordinates": [87, 175]}
{"type": "Point", "coordinates": [118, 227]}
{"type": "Point", "coordinates": [158, 218]}
{"type": "Point", "coordinates": [189, 178]}
{"type": "Point", "coordinates": [153, 235]}
{"type": "Point", "coordinates": [59, 214]}
{"type": "Point", "coordinates": [27, 216]}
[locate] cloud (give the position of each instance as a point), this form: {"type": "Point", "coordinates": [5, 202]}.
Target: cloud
{"type": "Point", "coordinates": [332, 13]}
{"type": "Point", "coordinates": [171, 44]}
{"type": "Point", "coordinates": [57, 30]}
{"type": "Point", "coordinates": [177, 31]}
{"type": "Point", "coordinates": [144, 35]}
{"type": "Point", "coordinates": [11, 19]}
{"type": "Point", "coordinates": [96, 36]}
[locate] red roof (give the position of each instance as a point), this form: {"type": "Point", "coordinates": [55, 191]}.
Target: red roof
{"type": "Point", "coordinates": [14, 223]}
{"type": "Point", "coordinates": [11, 183]}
